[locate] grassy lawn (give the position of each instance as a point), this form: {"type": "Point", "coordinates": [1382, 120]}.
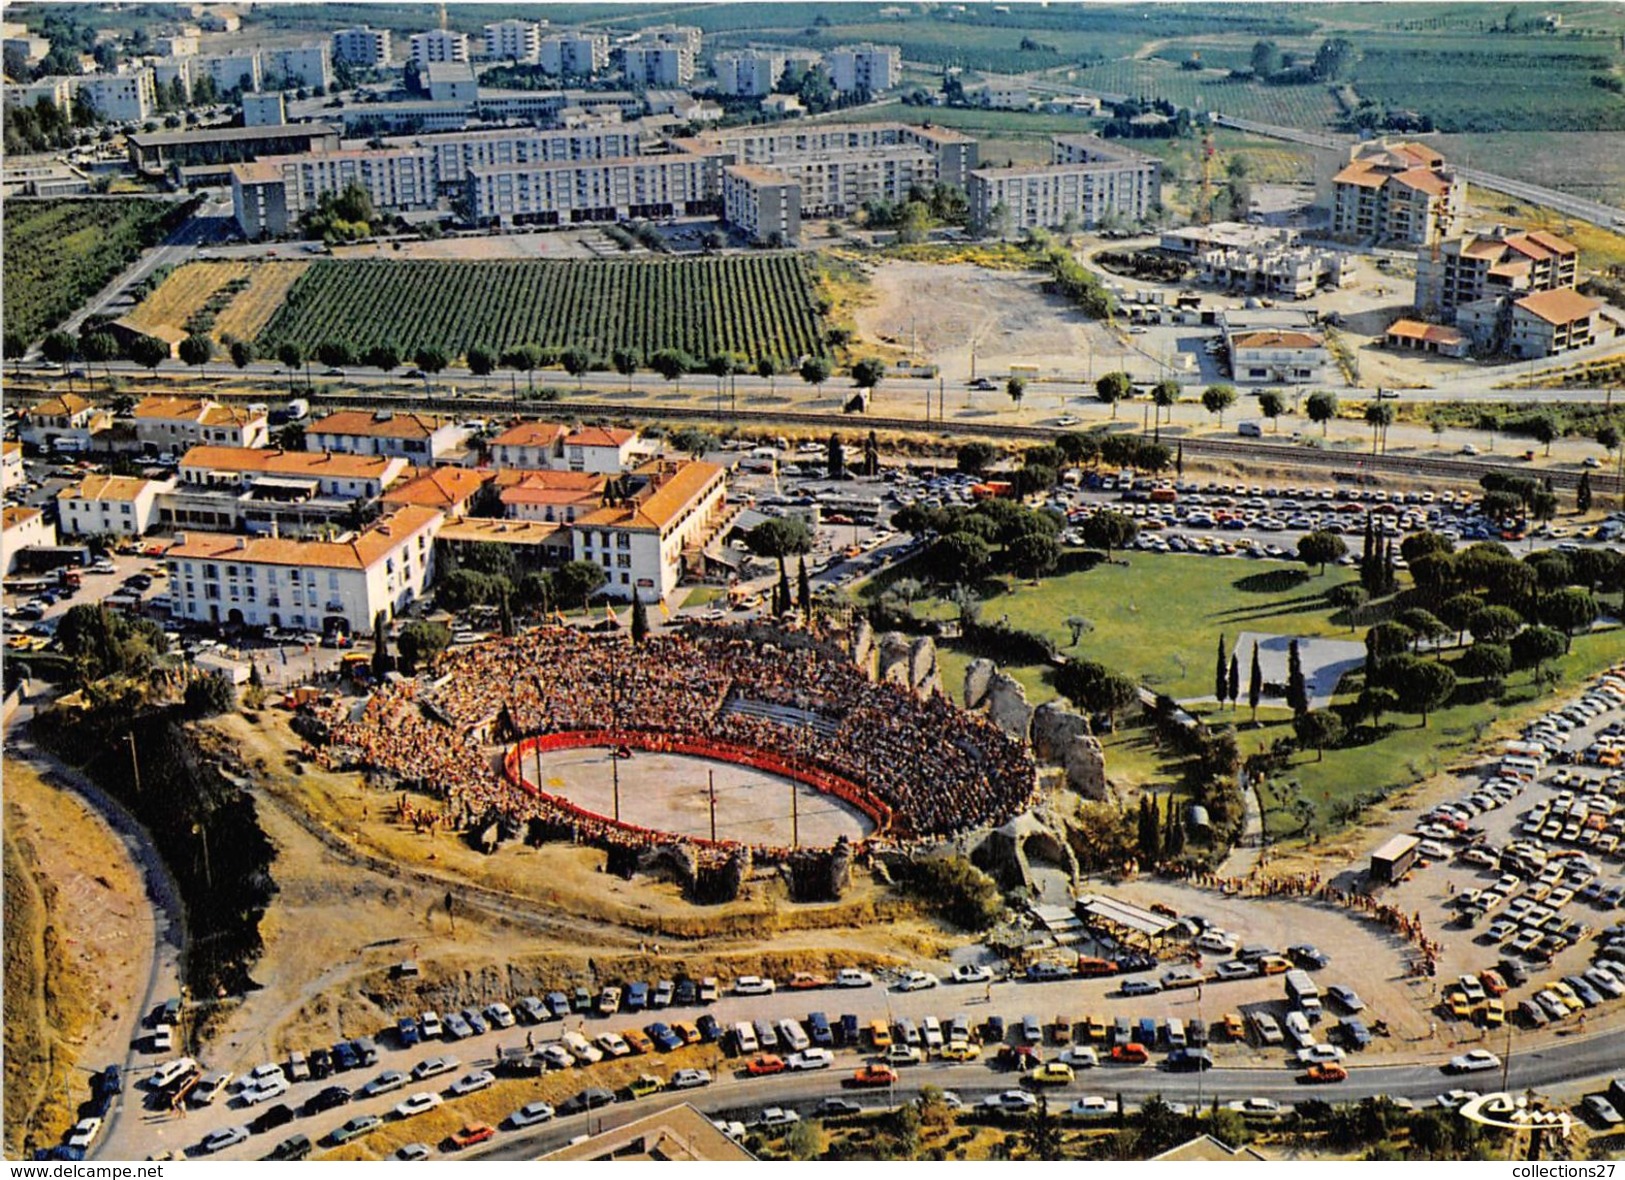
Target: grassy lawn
{"type": "Point", "coordinates": [1157, 618]}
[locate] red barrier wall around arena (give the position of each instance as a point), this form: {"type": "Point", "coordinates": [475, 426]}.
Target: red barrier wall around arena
{"type": "Point", "coordinates": [764, 760]}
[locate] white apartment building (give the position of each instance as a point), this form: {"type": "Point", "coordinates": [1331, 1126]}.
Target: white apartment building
{"type": "Point", "coordinates": [322, 585]}
{"type": "Point", "coordinates": [658, 65]}
{"type": "Point", "coordinates": [437, 45]}
{"type": "Point", "coordinates": [513, 40]}
{"type": "Point", "coordinates": [451, 82]}
{"type": "Point", "coordinates": [573, 192]}
{"type": "Point", "coordinates": [114, 505]}
{"type": "Point", "coordinates": [416, 437]}
{"type": "Point", "coordinates": [1277, 355]}
{"type": "Point", "coordinates": [303, 65]}
{"type": "Point", "coordinates": [362, 47]}
{"type": "Point", "coordinates": [576, 54]}
{"type": "Point", "coordinates": [763, 203]}
{"type": "Point", "coordinates": [647, 541]}
{"type": "Point", "coordinates": [228, 70]}
{"type": "Point", "coordinates": [602, 450]}
{"type": "Point", "coordinates": [748, 73]}
{"type": "Point", "coordinates": [184, 45]}
{"type": "Point", "coordinates": [530, 446]}
{"type": "Point", "coordinates": [165, 70]}
{"type": "Point", "coordinates": [1089, 180]}
{"type": "Point", "coordinates": [875, 68]}
{"type": "Point", "coordinates": [338, 475]}
{"type": "Point", "coordinates": [12, 472]}
{"type": "Point", "coordinates": [56, 91]}
{"type": "Point", "coordinates": [953, 155]}
{"type": "Point", "coordinates": [176, 424]}
{"type": "Point", "coordinates": [117, 98]}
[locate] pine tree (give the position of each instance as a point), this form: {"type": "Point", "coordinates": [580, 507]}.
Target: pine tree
{"type": "Point", "coordinates": [1235, 679]}
{"type": "Point", "coordinates": [1582, 494]}
{"type": "Point", "coordinates": [381, 663]}
{"type": "Point", "coordinates": [505, 615]}
{"type": "Point", "coordinates": [1220, 680]}
{"type": "Point", "coordinates": [804, 590]}
{"type": "Point", "coordinates": [640, 618]}
{"type": "Point", "coordinates": [1255, 684]}
{"type": "Point", "coordinates": [1297, 688]}
{"type": "Point", "coordinates": [784, 590]}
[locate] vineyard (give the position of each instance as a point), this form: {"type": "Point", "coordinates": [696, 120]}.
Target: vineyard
{"type": "Point", "coordinates": [1311, 107]}
{"type": "Point", "coordinates": [61, 252]}
{"type": "Point", "coordinates": [759, 306]}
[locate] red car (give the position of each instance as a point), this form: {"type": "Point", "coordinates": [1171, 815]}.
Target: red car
{"type": "Point", "coordinates": [1492, 981]}
{"type": "Point", "coordinates": [767, 1063]}
{"type": "Point", "coordinates": [470, 1135]}
{"type": "Point", "coordinates": [874, 1075]}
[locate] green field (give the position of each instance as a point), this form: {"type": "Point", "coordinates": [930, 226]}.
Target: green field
{"type": "Point", "coordinates": [61, 252]}
{"type": "Point", "coordinates": [1158, 620]}
{"type": "Point", "coordinates": [1575, 162]}
{"type": "Point", "coordinates": [756, 305]}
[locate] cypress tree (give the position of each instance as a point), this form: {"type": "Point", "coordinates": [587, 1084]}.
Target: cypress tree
{"type": "Point", "coordinates": [1220, 680]}
{"type": "Point", "coordinates": [784, 590]}
{"type": "Point", "coordinates": [1235, 679]}
{"type": "Point", "coordinates": [1582, 494]}
{"type": "Point", "coordinates": [1255, 684]}
{"type": "Point", "coordinates": [1297, 688]}
{"type": "Point", "coordinates": [804, 589]}
{"type": "Point", "coordinates": [640, 618]}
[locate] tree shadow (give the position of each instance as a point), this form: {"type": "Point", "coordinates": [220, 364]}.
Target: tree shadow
{"type": "Point", "coordinates": [1273, 582]}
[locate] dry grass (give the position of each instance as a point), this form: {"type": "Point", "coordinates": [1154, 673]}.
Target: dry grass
{"type": "Point", "coordinates": [52, 958]}
{"type": "Point", "coordinates": [183, 294]}
{"type": "Point", "coordinates": [245, 316]}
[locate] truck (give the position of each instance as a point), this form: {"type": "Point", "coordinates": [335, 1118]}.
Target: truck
{"type": "Point", "coordinates": [1302, 993]}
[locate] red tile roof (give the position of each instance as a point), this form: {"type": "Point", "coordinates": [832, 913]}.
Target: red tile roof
{"type": "Point", "coordinates": [1562, 306]}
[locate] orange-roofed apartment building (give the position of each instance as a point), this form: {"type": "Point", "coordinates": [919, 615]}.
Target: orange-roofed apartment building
{"type": "Point", "coordinates": [327, 585]}
{"type": "Point", "coordinates": [266, 489]}
{"type": "Point", "coordinates": [451, 490]}
{"type": "Point", "coordinates": [1400, 192]}
{"type": "Point", "coordinates": [646, 539]}
{"type": "Point", "coordinates": [1509, 292]}
{"type": "Point", "coordinates": [62, 423]}
{"type": "Point", "coordinates": [549, 446]}
{"type": "Point", "coordinates": [1276, 355]}
{"type": "Point", "coordinates": [115, 505]}
{"type": "Point", "coordinates": [420, 439]}
{"type": "Point", "coordinates": [175, 424]}
{"type": "Point", "coordinates": [551, 497]}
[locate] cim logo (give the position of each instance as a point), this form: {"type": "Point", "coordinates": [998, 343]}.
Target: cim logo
{"type": "Point", "coordinates": [1513, 1113]}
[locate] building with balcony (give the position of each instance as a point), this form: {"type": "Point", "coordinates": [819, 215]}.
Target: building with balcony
{"type": "Point", "coordinates": [366, 47]}
{"type": "Point", "coordinates": [513, 40]}
{"type": "Point", "coordinates": [1090, 181]}
{"type": "Point", "coordinates": [654, 532]}
{"type": "Point", "coordinates": [1401, 193]}
{"type": "Point", "coordinates": [176, 424]}
{"type": "Point", "coordinates": [874, 68]}
{"type": "Point", "coordinates": [437, 45]}
{"type": "Point", "coordinates": [418, 438]}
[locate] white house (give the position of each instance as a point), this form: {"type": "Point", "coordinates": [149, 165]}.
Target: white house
{"type": "Point", "coordinates": [179, 423]}
{"type": "Point", "coordinates": [64, 422]}
{"type": "Point", "coordinates": [119, 505]}
{"type": "Point", "coordinates": [532, 446]}
{"type": "Point", "coordinates": [1278, 355]}
{"type": "Point", "coordinates": [602, 449]}
{"type": "Point", "coordinates": [552, 497]}
{"type": "Point", "coordinates": [22, 528]}
{"type": "Point", "coordinates": [322, 585]}
{"type": "Point", "coordinates": [11, 465]}
{"type": "Point", "coordinates": [416, 437]}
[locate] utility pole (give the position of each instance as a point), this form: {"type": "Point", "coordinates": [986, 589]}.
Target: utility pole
{"type": "Point", "coordinates": [615, 775]}
{"type": "Point", "coordinates": [135, 764]}
{"type": "Point", "coordinates": [713, 777]}
{"type": "Point", "coordinates": [795, 817]}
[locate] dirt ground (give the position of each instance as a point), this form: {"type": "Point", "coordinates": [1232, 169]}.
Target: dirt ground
{"type": "Point", "coordinates": [93, 931]}
{"type": "Point", "coordinates": [571, 244]}
{"type": "Point", "coordinates": [960, 316]}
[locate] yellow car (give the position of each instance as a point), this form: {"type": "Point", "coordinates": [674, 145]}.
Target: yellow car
{"type": "Point", "coordinates": [1566, 993]}
{"type": "Point", "coordinates": [961, 1051]}
{"type": "Point", "coordinates": [1460, 1007]}
{"type": "Point", "coordinates": [1097, 1028]}
{"type": "Point", "coordinates": [1051, 1073]}
{"type": "Point", "coordinates": [1493, 1014]}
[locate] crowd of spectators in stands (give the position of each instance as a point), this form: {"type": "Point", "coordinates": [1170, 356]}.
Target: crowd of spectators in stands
{"type": "Point", "coordinates": [934, 768]}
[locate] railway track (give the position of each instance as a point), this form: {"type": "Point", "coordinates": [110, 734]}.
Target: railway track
{"type": "Point", "coordinates": [1343, 466]}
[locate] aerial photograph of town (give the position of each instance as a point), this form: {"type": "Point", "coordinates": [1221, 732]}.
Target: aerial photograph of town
{"type": "Point", "coordinates": [813, 582]}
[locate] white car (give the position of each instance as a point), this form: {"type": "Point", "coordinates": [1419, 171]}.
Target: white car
{"type": "Point", "coordinates": [852, 977]}
{"type": "Point", "coordinates": [1011, 1101]}
{"type": "Point", "coordinates": [84, 1133]}
{"type": "Point", "coordinates": [1079, 1057]}
{"type": "Point", "coordinates": [419, 1103]}
{"type": "Point", "coordinates": [754, 985]}
{"type": "Point", "coordinates": [163, 1039]}
{"type": "Point", "coordinates": [429, 1022]}
{"type": "Point", "coordinates": [972, 973]}
{"type": "Point", "coordinates": [1475, 1061]}
{"type": "Point", "coordinates": [810, 1059]}
{"type": "Point", "coordinates": [916, 981]}
{"type": "Point", "coordinates": [614, 1044]}
{"type": "Point", "coordinates": [1321, 1054]}
{"type": "Point", "coordinates": [431, 1066]}
{"type": "Point", "coordinates": [583, 1050]}
{"type": "Point", "coordinates": [472, 1083]}
{"type": "Point", "coordinates": [261, 1074]}
{"type": "Point", "coordinates": [557, 1057]}
{"type": "Point", "coordinates": [272, 1088]}
{"type": "Point", "coordinates": [691, 1079]}
{"type": "Point", "coordinates": [774, 1117]}
{"type": "Point", "coordinates": [499, 1015]}
{"type": "Point", "coordinates": [220, 1140]}
{"type": "Point", "coordinates": [530, 1114]}
{"type": "Point", "coordinates": [1093, 1107]}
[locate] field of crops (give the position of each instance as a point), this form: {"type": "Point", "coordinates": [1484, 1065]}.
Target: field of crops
{"type": "Point", "coordinates": [756, 305]}
{"type": "Point", "coordinates": [183, 294]}
{"type": "Point", "coordinates": [1573, 161]}
{"type": "Point", "coordinates": [1311, 107]}
{"type": "Point", "coordinates": [251, 309]}
{"type": "Point", "coordinates": [61, 252]}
